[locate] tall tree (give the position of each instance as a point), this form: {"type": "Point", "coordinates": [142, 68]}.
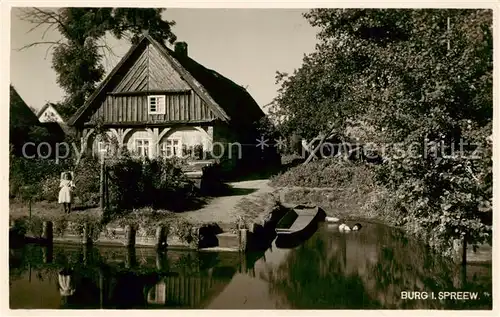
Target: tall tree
{"type": "Point", "coordinates": [421, 82]}
{"type": "Point", "coordinates": [78, 56]}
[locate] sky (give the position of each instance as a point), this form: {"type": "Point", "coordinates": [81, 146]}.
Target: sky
{"type": "Point", "coordinates": [246, 45]}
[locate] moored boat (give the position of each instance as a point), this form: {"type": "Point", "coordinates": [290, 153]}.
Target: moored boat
{"type": "Point", "coordinates": [298, 225]}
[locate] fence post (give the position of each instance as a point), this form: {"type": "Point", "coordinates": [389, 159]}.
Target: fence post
{"type": "Point", "coordinates": [106, 191]}
{"type": "Point", "coordinates": [47, 232]}
{"type": "Point", "coordinates": [101, 186]}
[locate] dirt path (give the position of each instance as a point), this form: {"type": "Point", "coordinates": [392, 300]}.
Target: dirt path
{"type": "Point", "coordinates": [222, 209]}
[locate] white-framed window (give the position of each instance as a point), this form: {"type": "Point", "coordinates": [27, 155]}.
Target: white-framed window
{"type": "Point", "coordinates": [171, 148]}
{"type": "Point", "coordinates": [156, 104]}
{"type": "Point", "coordinates": [142, 147]}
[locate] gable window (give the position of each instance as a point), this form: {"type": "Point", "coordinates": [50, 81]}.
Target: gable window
{"type": "Point", "coordinates": [156, 104]}
{"type": "Point", "coordinates": [142, 147]}
{"type": "Point", "coordinates": [171, 148]}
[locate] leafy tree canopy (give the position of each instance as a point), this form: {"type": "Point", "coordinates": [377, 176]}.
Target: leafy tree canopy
{"type": "Point", "coordinates": [412, 79]}
{"type": "Point", "coordinates": [78, 56]}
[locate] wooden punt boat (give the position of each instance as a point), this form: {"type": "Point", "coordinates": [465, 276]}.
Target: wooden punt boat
{"type": "Point", "coordinates": [298, 225]}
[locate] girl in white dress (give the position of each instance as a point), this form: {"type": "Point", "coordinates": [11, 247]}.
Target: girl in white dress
{"type": "Point", "coordinates": [65, 193]}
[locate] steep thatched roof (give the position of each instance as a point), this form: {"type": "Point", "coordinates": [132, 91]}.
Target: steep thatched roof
{"type": "Point", "coordinates": [234, 99]}
{"type": "Point", "coordinates": [21, 115]}
{"type": "Point", "coordinates": [24, 125]}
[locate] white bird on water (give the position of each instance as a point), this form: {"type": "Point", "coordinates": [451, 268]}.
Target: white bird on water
{"type": "Point", "coordinates": [345, 228]}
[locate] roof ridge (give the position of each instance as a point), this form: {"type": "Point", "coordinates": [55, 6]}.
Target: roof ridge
{"type": "Point", "coordinates": [222, 94]}
{"type": "Point", "coordinates": [42, 109]}
{"type": "Point", "coordinates": [194, 83]}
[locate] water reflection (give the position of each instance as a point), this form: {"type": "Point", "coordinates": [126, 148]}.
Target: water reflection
{"type": "Point", "coordinates": [81, 277]}
{"type": "Point", "coordinates": [370, 269]}
{"type": "Point", "coordinates": [331, 270]}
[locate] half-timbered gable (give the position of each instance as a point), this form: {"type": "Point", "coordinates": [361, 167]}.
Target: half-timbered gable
{"type": "Point", "coordinates": [157, 101]}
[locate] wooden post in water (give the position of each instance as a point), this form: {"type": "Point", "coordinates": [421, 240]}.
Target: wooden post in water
{"type": "Point", "coordinates": [159, 261]}
{"type": "Point", "coordinates": [129, 236]}
{"type": "Point", "coordinates": [243, 239]}
{"type": "Point", "coordinates": [130, 260]}
{"type": "Point", "coordinates": [47, 232]}
{"type": "Point", "coordinates": [47, 253]}
{"type": "Point", "coordinates": [87, 234]}
{"type": "Point", "coordinates": [160, 239]}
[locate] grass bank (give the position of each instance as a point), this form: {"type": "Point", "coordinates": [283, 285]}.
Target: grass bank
{"type": "Point", "coordinates": [344, 189]}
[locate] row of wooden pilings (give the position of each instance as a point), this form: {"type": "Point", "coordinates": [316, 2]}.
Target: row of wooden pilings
{"type": "Point", "coordinates": [130, 236]}
{"type": "Point", "coordinates": [129, 241]}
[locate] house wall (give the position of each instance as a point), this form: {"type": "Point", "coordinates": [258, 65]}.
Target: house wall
{"type": "Point", "coordinates": [188, 115]}
{"type": "Point", "coordinates": [189, 136]}
{"type": "Point", "coordinates": [50, 115]}
{"type": "Point", "coordinates": [225, 142]}
{"type": "Point", "coordinates": [150, 73]}
{"type": "Point", "coordinates": [179, 107]}
{"type": "Point", "coordinates": [247, 156]}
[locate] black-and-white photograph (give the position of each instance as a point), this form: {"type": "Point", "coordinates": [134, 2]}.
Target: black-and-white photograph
{"type": "Point", "coordinates": [251, 158]}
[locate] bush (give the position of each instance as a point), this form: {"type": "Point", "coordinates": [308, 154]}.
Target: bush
{"type": "Point", "coordinates": [50, 188]}
{"type": "Point", "coordinates": [158, 183]}
{"type": "Point", "coordinates": [29, 178]}
{"type": "Point", "coordinates": [87, 178]}
{"type": "Point", "coordinates": [331, 172]}
{"type": "Point", "coordinates": [186, 231]}
{"type": "Point", "coordinates": [343, 189]}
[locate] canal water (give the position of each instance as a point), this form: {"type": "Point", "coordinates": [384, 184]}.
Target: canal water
{"type": "Point", "coordinates": [374, 268]}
